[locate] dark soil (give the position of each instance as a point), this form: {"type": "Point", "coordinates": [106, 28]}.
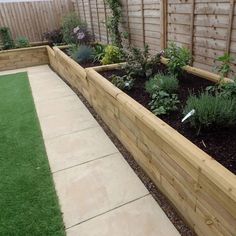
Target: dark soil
{"type": "Point", "coordinates": [163, 202]}
{"type": "Point", "coordinates": [219, 143]}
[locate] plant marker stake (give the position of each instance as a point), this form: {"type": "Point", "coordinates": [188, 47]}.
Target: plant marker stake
{"type": "Point", "coordinates": [188, 115]}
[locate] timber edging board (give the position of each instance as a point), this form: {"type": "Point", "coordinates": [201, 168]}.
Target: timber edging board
{"type": "Point", "coordinates": [202, 190]}
{"type": "Point", "coordinates": [23, 57]}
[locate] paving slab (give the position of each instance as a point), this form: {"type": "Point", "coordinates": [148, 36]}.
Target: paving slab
{"type": "Point", "coordinates": [142, 217]}
{"type": "Point", "coordinates": [96, 187]}
{"type": "Point", "coordinates": [66, 122]}
{"type": "Point", "coordinates": [58, 106]}
{"type": "Point", "coordinates": [77, 148]}
{"type": "Point", "coordinates": [51, 93]}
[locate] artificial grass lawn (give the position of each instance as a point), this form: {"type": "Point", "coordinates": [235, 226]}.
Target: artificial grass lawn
{"type": "Point", "coordinates": [28, 201]}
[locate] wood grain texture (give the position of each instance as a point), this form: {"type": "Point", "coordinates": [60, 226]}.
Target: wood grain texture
{"type": "Point", "coordinates": [32, 19]}
{"type": "Point", "coordinates": [21, 58]}
{"type": "Point", "coordinates": [201, 189]}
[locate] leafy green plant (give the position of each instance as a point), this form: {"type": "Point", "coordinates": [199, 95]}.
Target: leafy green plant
{"type": "Point", "coordinates": [98, 52]}
{"type": "Point", "coordinates": [224, 68]}
{"type": "Point", "coordinates": [6, 38]}
{"type": "Point", "coordinates": [163, 103]}
{"type": "Point", "coordinates": [69, 23]}
{"type": "Point", "coordinates": [54, 37]}
{"type": "Point", "coordinates": [211, 111]}
{"type": "Point", "coordinates": [22, 42]}
{"type": "Point", "coordinates": [167, 83]}
{"type": "Point", "coordinates": [114, 21]}
{"type": "Point", "coordinates": [140, 63]}
{"type": "Point", "coordinates": [125, 82]}
{"type": "Point", "coordinates": [178, 58]}
{"type": "Point", "coordinates": [112, 55]}
{"type": "Point", "coordinates": [162, 89]}
{"type": "Point", "coordinates": [81, 54]}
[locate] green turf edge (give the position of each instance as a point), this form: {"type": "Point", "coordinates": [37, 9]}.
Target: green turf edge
{"type": "Point", "coordinates": [28, 200]}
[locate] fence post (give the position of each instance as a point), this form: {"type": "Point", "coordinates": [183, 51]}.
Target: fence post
{"type": "Point", "coordinates": [127, 19]}
{"type": "Point", "coordinates": [99, 30]}
{"type": "Point", "coordinates": [91, 18]}
{"type": "Point", "coordinates": [143, 22]}
{"type": "Point", "coordinates": [192, 28]}
{"type": "Point", "coordinates": [163, 23]}
{"type": "Point", "coordinates": [231, 16]}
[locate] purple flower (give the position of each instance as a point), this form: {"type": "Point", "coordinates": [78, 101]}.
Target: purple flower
{"type": "Point", "coordinates": [76, 29]}
{"type": "Point", "coordinates": [80, 35]}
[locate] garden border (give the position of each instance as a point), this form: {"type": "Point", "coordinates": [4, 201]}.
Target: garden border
{"type": "Point", "coordinates": [201, 189]}
{"type": "Point", "coordinates": [23, 57]}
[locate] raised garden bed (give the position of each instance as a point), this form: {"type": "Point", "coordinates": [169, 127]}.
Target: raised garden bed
{"type": "Point", "coordinates": [23, 57]}
{"type": "Point", "coordinates": [201, 189]}
{"type": "Point", "coordinates": [220, 143]}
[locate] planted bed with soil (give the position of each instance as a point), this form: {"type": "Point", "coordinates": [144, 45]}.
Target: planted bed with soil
{"type": "Point", "coordinates": [220, 143]}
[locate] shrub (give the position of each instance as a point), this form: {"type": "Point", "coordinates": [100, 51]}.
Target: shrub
{"type": "Point", "coordinates": [69, 22]}
{"type": "Point", "coordinates": [167, 83]}
{"type": "Point", "coordinates": [211, 111]}
{"type": "Point", "coordinates": [22, 42]}
{"type": "Point", "coordinates": [6, 37]}
{"type": "Point", "coordinates": [81, 35]}
{"type": "Point", "coordinates": [81, 54]}
{"type": "Point", "coordinates": [163, 103]}
{"type": "Point", "coordinates": [140, 63]}
{"type": "Point", "coordinates": [54, 37]}
{"type": "Point", "coordinates": [225, 64]}
{"type": "Point", "coordinates": [98, 52]}
{"type": "Point", "coordinates": [125, 82]}
{"type": "Point", "coordinates": [179, 57]}
{"type": "Point", "coordinates": [112, 55]}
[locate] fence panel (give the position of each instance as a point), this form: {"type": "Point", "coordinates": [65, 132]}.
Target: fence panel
{"type": "Point", "coordinates": [33, 18]}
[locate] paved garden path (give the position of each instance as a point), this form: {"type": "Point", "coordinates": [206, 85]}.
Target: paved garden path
{"type": "Point", "coordinates": [99, 193]}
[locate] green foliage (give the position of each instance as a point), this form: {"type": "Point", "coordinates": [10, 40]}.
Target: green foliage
{"type": "Point", "coordinates": [22, 42]}
{"type": "Point", "coordinates": [81, 54]}
{"type": "Point", "coordinates": [211, 111]}
{"type": "Point", "coordinates": [125, 82]}
{"type": "Point", "coordinates": [140, 63]}
{"type": "Point", "coordinates": [69, 22]}
{"type": "Point", "coordinates": [112, 55]}
{"type": "Point", "coordinates": [162, 89]}
{"type": "Point", "coordinates": [163, 103]}
{"type": "Point", "coordinates": [114, 21]}
{"type": "Point", "coordinates": [6, 38]}
{"type": "Point", "coordinates": [227, 90]}
{"type": "Point", "coordinates": [98, 52]}
{"type": "Point", "coordinates": [178, 57]}
{"type": "Point", "coordinates": [167, 83]}
{"type": "Point", "coordinates": [225, 64]}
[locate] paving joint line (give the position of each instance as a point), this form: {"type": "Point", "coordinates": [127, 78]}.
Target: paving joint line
{"type": "Point", "coordinates": [103, 213]}
{"type": "Point", "coordinates": [95, 159]}
{"type": "Point", "coordinates": [74, 132]}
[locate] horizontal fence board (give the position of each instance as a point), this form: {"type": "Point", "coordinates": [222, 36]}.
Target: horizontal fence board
{"type": "Point", "coordinates": [32, 19]}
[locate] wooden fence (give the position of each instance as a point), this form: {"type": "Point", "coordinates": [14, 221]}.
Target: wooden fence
{"type": "Point", "coordinates": [206, 27]}
{"type": "Point", "coordinates": [33, 18]}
